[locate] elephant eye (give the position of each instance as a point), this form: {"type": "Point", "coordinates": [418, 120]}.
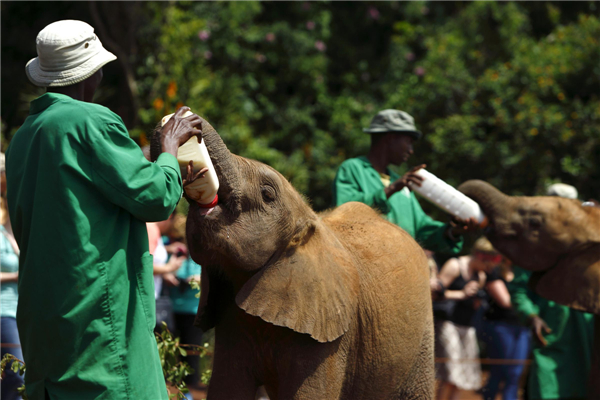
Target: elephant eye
{"type": "Point", "coordinates": [535, 223]}
{"type": "Point", "coordinates": [268, 193]}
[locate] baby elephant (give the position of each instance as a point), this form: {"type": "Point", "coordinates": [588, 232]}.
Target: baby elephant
{"type": "Point", "coordinates": [328, 306]}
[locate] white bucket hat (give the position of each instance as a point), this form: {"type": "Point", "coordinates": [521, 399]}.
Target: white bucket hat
{"type": "Point", "coordinates": [562, 190]}
{"type": "Point", "coordinates": [68, 52]}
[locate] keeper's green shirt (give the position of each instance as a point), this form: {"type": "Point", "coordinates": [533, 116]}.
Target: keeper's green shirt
{"type": "Point", "coordinates": [79, 194]}
{"type": "Point", "coordinates": [357, 180]}
{"type": "Point", "coordinates": [560, 370]}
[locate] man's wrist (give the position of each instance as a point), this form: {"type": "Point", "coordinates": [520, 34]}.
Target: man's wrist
{"type": "Point", "coordinates": [169, 144]}
{"type": "Point", "coordinates": [531, 317]}
{"type": "Point", "coordinates": [391, 189]}
{"type": "Point", "coordinates": [388, 191]}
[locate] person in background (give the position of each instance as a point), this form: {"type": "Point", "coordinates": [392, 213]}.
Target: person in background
{"type": "Point", "coordinates": [79, 194]}
{"type": "Point", "coordinates": [562, 336]}
{"type": "Point", "coordinates": [368, 179]}
{"type": "Point", "coordinates": [434, 282]}
{"type": "Point", "coordinates": [164, 266]}
{"type": "Point", "coordinates": [185, 300]}
{"type": "Point", "coordinates": [9, 295]}
{"type": "Point", "coordinates": [456, 339]}
{"type": "Point", "coordinates": [505, 337]}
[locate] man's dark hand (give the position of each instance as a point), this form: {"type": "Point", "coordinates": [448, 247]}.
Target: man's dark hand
{"type": "Point", "coordinates": [538, 325]}
{"type": "Point", "coordinates": [179, 130]}
{"type": "Point", "coordinates": [402, 182]}
{"type": "Point", "coordinates": [459, 227]}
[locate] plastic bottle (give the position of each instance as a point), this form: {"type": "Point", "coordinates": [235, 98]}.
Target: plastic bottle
{"type": "Point", "coordinates": [447, 198]}
{"type": "Point", "coordinates": [203, 190]}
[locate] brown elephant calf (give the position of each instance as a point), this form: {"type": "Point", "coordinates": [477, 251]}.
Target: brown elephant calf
{"type": "Point", "coordinates": [331, 306]}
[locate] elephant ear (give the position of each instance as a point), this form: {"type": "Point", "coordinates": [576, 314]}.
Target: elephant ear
{"type": "Point", "coordinates": [313, 288]}
{"type": "Point", "coordinates": [215, 291]}
{"type": "Point", "coordinates": [573, 282]}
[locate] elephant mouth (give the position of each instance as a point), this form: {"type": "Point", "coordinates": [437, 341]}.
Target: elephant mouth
{"type": "Point", "coordinates": [205, 212]}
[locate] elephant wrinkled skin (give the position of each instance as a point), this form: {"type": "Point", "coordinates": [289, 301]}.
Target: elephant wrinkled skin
{"type": "Point", "coordinates": [329, 306]}
{"type": "Point", "coordinates": [558, 239]}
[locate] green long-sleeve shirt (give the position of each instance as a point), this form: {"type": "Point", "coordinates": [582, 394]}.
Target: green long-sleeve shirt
{"type": "Point", "coordinates": [357, 180]}
{"type": "Point", "coordinates": [79, 194]}
{"type": "Point", "coordinates": [561, 368]}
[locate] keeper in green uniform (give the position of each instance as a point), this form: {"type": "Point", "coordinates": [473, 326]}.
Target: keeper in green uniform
{"type": "Point", "coordinates": [368, 180]}
{"type": "Point", "coordinates": [563, 337]}
{"type": "Point", "coordinates": [79, 192]}
{"type": "Point", "coordinates": [563, 343]}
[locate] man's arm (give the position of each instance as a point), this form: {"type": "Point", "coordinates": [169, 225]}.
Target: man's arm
{"type": "Point", "coordinates": [348, 186]}
{"type": "Point", "coordinates": [527, 310]}
{"type": "Point", "coordinates": [520, 295]}
{"type": "Point", "coordinates": [149, 191]}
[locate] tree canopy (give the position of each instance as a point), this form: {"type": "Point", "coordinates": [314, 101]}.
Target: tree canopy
{"type": "Point", "coordinates": [507, 92]}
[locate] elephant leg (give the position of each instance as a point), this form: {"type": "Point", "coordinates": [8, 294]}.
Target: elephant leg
{"type": "Point", "coordinates": [594, 382]}
{"type": "Point", "coordinates": [420, 382]}
{"type": "Point", "coordinates": [228, 381]}
{"type": "Point", "coordinates": [232, 376]}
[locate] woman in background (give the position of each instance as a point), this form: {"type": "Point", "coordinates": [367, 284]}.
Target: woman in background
{"type": "Point", "coordinates": [185, 300]}
{"type": "Point", "coordinates": [164, 268]}
{"type": "Point", "coordinates": [461, 280]}
{"type": "Point", "coordinates": [9, 295]}
{"type": "Point", "coordinates": [504, 336]}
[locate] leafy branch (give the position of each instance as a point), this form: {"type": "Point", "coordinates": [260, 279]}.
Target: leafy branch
{"type": "Point", "coordinates": [16, 366]}
{"type": "Point", "coordinates": [174, 370]}
{"type": "Point", "coordinates": [169, 350]}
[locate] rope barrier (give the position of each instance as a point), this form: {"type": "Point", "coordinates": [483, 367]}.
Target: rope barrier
{"type": "Point", "coordinates": [438, 360]}
{"type": "Point", "coordinates": [488, 361]}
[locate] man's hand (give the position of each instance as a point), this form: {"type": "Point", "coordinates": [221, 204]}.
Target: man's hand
{"type": "Point", "coordinates": [402, 182]}
{"type": "Point", "coordinates": [537, 325]}
{"type": "Point", "coordinates": [459, 227]}
{"type": "Point", "coordinates": [179, 130]}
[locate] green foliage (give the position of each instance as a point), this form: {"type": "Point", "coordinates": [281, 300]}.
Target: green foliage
{"type": "Point", "coordinates": [195, 285]}
{"type": "Point", "coordinates": [174, 370]}
{"type": "Point", "coordinates": [169, 350]}
{"type": "Point", "coordinates": [16, 366]}
{"type": "Point", "coordinates": [496, 98]}
{"type": "Point", "coordinates": [503, 91]}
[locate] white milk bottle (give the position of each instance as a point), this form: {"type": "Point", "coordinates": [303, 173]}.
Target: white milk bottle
{"type": "Point", "coordinates": [447, 198]}
{"type": "Point", "coordinates": [203, 190]}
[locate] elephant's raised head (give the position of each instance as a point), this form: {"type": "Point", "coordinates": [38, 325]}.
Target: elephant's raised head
{"type": "Point", "coordinates": [264, 246]}
{"type": "Point", "coordinates": [557, 238]}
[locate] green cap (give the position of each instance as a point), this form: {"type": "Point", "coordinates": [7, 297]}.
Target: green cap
{"type": "Point", "coordinates": [393, 121]}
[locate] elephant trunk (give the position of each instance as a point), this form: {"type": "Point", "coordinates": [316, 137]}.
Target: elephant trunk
{"type": "Point", "coordinates": [225, 164]}
{"type": "Point", "coordinates": [493, 202]}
